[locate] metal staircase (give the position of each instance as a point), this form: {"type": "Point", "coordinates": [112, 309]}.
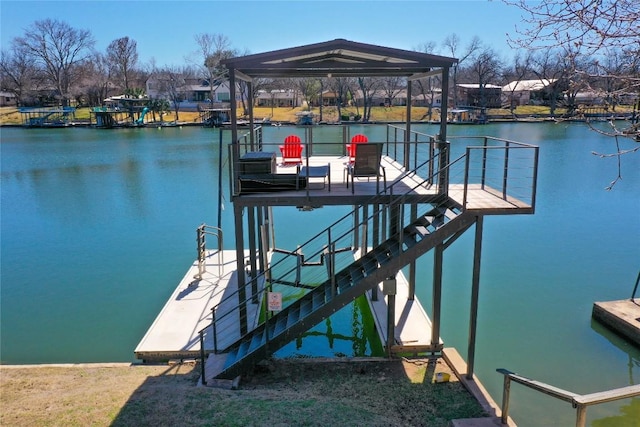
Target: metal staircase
{"type": "Point", "coordinates": [350, 282]}
{"type": "Point", "coordinates": [393, 236]}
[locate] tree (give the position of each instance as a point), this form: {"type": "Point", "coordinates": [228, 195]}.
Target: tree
{"type": "Point", "coordinates": [520, 71]}
{"type": "Point", "coordinates": [451, 44]}
{"type": "Point", "coordinates": [213, 48]}
{"type": "Point", "coordinates": [586, 24]}
{"type": "Point", "coordinates": [59, 50]}
{"type": "Point", "coordinates": [485, 68]}
{"type": "Point", "coordinates": [18, 73]}
{"type": "Point", "coordinates": [427, 86]}
{"type": "Point", "coordinates": [122, 55]}
{"type": "Point", "coordinates": [368, 88]}
{"type": "Point", "coordinates": [593, 27]}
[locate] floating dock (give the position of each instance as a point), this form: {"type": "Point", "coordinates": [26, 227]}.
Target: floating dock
{"type": "Point", "coordinates": [175, 332]}
{"type": "Point", "coordinates": [623, 317]}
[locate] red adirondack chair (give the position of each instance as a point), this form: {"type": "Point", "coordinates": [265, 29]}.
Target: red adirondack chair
{"type": "Point", "coordinates": [291, 150]}
{"type": "Point", "coordinates": [351, 148]}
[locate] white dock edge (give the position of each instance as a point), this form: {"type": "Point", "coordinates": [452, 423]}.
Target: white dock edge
{"type": "Point", "coordinates": [174, 333]}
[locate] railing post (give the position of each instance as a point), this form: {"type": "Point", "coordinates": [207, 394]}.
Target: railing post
{"type": "Point", "coordinates": [506, 391]}
{"type": "Point", "coordinates": [466, 178]}
{"type": "Point", "coordinates": [581, 415]}
{"type": "Point", "coordinates": [202, 368]}
{"type": "Point", "coordinates": [215, 330]}
{"type": "Point", "coordinates": [484, 162]}
{"type": "Point", "coordinates": [505, 176]}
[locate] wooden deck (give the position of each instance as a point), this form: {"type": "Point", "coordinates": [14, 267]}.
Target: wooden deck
{"type": "Point", "coordinates": [337, 193]}
{"type": "Point", "coordinates": [319, 192]}
{"type": "Point", "coordinates": [174, 333]}
{"type": "Point", "coordinates": [623, 317]}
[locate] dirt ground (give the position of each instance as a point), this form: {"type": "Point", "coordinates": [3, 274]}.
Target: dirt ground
{"type": "Point", "coordinates": [278, 393]}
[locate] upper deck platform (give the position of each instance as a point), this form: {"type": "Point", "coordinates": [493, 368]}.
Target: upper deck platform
{"type": "Point", "coordinates": [329, 184]}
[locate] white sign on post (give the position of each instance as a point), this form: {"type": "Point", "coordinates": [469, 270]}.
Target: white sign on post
{"type": "Point", "coordinates": [275, 301]}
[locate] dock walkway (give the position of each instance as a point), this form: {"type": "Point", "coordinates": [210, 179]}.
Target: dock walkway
{"type": "Point", "coordinates": [622, 316]}
{"type": "Point", "coordinates": [174, 333]}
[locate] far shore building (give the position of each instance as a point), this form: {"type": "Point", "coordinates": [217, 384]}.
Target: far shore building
{"type": "Point", "coordinates": [8, 99]}
{"type": "Point", "coordinates": [479, 96]}
{"type": "Point", "coordinates": [526, 92]}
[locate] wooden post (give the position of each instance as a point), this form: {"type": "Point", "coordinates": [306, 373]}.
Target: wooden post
{"type": "Point", "coordinates": [475, 290]}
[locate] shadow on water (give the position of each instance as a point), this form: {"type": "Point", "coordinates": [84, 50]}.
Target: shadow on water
{"type": "Point", "coordinates": [629, 413]}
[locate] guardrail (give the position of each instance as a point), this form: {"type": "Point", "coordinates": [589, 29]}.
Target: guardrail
{"type": "Point", "coordinates": [578, 401]}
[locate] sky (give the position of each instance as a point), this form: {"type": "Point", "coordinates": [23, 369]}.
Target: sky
{"type": "Point", "coordinates": [165, 30]}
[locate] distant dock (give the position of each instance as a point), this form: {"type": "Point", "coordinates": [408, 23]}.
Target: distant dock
{"type": "Point", "coordinates": [623, 317]}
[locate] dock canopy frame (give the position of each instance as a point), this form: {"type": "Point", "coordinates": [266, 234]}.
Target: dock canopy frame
{"type": "Point", "coordinates": [339, 58]}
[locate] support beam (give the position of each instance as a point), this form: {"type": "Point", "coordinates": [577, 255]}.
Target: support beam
{"type": "Point", "coordinates": [251, 219]}
{"type": "Point", "coordinates": [237, 212]}
{"type": "Point", "coordinates": [437, 295]}
{"type": "Point", "coordinates": [475, 290]}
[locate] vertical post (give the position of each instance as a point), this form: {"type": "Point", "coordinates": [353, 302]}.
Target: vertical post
{"type": "Point", "coordinates": [581, 415]}
{"type": "Point", "coordinates": [506, 391]}
{"type": "Point", "coordinates": [254, 144]}
{"type": "Point", "coordinates": [202, 368]}
{"type": "Point", "coordinates": [475, 290]}
{"type": "Point", "coordinates": [412, 265]}
{"type": "Point", "coordinates": [437, 295]}
{"type": "Point", "coordinates": [505, 176]}
{"type": "Point", "coordinates": [251, 218]}
{"type": "Point", "coordinates": [240, 275]}
{"type": "Point", "coordinates": [356, 226]}
{"type": "Point", "coordinates": [391, 322]}
{"type": "Point", "coordinates": [220, 180]}
{"type": "Point", "coordinates": [407, 134]}
{"type": "Point", "coordinates": [443, 148]}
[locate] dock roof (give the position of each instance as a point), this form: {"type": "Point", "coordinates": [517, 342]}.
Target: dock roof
{"type": "Point", "coordinates": [338, 58]}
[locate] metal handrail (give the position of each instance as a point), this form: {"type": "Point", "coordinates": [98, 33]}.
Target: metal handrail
{"type": "Point", "coordinates": [202, 231]}
{"type": "Point", "coordinates": [578, 401]}
{"type": "Point", "coordinates": [336, 234]}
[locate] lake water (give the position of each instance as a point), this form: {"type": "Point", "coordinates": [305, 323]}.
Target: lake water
{"type": "Point", "coordinates": [98, 227]}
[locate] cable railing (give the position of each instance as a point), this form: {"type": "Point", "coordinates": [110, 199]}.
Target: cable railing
{"type": "Point", "coordinates": [294, 273]}
{"type": "Point", "coordinates": [579, 401]}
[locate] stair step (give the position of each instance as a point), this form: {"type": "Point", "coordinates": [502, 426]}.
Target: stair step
{"type": "Point", "coordinates": [257, 341]}
{"type": "Point", "coordinates": [306, 307]}
{"type": "Point", "coordinates": [243, 349]}
{"type": "Point", "coordinates": [292, 317]}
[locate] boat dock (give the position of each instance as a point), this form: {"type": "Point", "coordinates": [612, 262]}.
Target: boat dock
{"type": "Point", "coordinates": [622, 316]}
{"type": "Point", "coordinates": [175, 332]}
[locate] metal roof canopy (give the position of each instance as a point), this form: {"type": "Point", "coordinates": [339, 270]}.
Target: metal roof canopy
{"type": "Point", "coordinates": [339, 58]}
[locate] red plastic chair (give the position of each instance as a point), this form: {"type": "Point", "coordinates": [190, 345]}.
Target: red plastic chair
{"type": "Point", "coordinates": [291, 150]}
{"type": "Point", "coordinates": [351, 148]}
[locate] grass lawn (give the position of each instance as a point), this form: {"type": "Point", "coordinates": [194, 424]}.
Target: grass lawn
{"type": "Point", "coordinates": [282, 393]}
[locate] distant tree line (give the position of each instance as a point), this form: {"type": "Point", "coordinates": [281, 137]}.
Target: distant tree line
{"type": "Point", "coordinates": [54, 63]}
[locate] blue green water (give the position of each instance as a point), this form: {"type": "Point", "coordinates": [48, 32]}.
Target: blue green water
{"type": "Point", "coordinates": [98, 227]}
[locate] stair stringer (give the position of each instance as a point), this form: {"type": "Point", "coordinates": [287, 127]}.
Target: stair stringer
{"type": "Point", "coordinates": [341, 298]}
